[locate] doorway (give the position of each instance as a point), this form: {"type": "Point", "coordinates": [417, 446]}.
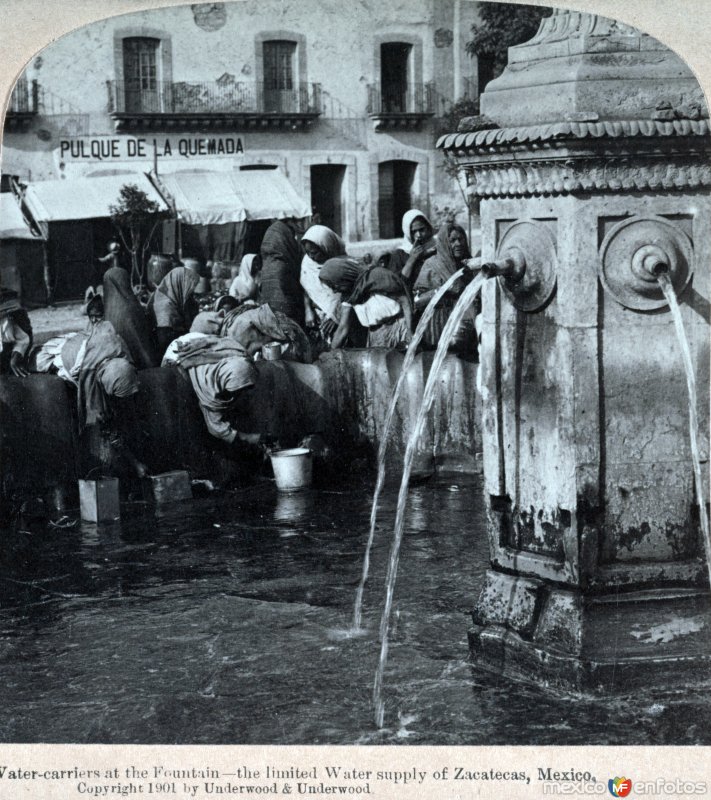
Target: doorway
{"type": "Point", "coordinates": [140, 74]}
{"type": "Point", "coordinates": [395, 182]}
{"type": "Point", "coordinates": [327, 195]}
{"type": "Point", "coordinates": [394, 69]}
{"type": "Point", "coordinates": [279, 83]}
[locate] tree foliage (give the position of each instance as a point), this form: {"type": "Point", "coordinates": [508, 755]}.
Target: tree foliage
{"type": "Point", "coordinates": [136, 217]}
{"type": "Point", "coordinates": [465, 107]}
{"type": "Point", "coordinates": [503, 25]}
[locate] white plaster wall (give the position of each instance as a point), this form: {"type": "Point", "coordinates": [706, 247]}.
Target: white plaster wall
{"type": "Point", "coordinates": [341, 53]}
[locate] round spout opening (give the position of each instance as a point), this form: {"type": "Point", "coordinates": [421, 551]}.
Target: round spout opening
{"type": "Point", "coordinates": [659, 268]}
{"type": "Point", "coordinates": [650, 261]}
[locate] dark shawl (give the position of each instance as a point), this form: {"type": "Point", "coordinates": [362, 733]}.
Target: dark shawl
{"type": "Point", "coordinates": [271, 324]}
{"type": "Point", "coordinates": [174, 304]}
{"type": "Point", "coordinates": [208, 349]}
{"type": "Point", "coordinates": [281, 268]}
{"type": "Point", "coordinates": [218, 369]}
{"type": "Point", "coordinates": [124, 312]}
{"type": "Point", "coordinates": [103, 345]}
{"type": "Point", "coordinates": [359, 283]}
{"type": "Point", "coordinates": [441, 266]}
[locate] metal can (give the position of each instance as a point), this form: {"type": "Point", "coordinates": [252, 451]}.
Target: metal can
{"type": "Point", "coordinates": [271, 351]}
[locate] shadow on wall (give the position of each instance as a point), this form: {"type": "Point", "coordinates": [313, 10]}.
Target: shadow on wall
{"type": "Point", "coordinates": [344, 397]}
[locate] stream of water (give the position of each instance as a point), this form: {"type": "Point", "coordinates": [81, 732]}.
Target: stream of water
{"type": "Point", "coordinates": [383, 448]}
{"type": "Point", "coordinates": [463, 303]}
{"type": "Point", "coordinates": [670, 294]}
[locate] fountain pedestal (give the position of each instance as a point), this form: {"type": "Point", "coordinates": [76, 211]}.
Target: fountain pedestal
{"type": "Point", "coordinates": [592, 148]}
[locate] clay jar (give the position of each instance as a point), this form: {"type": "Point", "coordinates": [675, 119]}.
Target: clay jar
{"type": "Point", "coordinates": [203, 286]}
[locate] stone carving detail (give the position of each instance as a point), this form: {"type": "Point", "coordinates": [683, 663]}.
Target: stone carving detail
{"type": "Point", "coordinates": [537, 245]}
{"type": "Point", "coordinates": [566, 24]}
{"type": "Point", "coordinates": [584, 175]}
{"type": "Point", "coordinates": [209, 16]}
{"type": "Point", "coordinates": [630, 253]}
{"type": "Point", "coordinates": [443, 37]}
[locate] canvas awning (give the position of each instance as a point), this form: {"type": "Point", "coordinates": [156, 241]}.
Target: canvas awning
{"type": "Point", "coordinates": [12, 223]}
{"type": "Point", "coordinates": [216, 198]}
{"type": "Point", "coordinates": [83, 198]}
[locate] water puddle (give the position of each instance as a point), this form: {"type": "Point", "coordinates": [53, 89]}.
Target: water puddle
{"type": "Point", "coordinates": [237, 635]}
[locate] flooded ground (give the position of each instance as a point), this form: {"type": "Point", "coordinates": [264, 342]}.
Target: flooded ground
{"type": "Point", "coordinates": [221, 621]}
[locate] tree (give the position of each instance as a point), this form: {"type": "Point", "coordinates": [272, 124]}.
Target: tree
{"type": "Point", "coordinates": [502, 25]}
{"type": "Point", "coordinates": [464, 107]}
{"type": "Point", "coordinates": [136, 218]}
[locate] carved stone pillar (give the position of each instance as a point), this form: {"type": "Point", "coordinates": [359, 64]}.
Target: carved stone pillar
{"type": "Point", "coordinates": [591, 158]}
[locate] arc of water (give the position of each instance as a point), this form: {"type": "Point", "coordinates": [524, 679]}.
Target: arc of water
{"type": "Point", "coordinates": [383, 447]}
{"type": "Point", "coordinates": [666, 286]}
{"type": "Point", "coordinates": [467, 298]}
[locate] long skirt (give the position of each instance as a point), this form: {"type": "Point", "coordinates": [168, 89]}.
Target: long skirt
{"type": "Point", "coordinates": [465, 332]}
{"type": "Point", "coordinates": [392, 334]}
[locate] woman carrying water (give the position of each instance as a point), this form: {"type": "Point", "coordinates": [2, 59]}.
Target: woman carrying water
{"type": "Point", "coordinates": [452, 254]}
{"type": "Point", "coordinates": [377, 300]}
{"type": "Point", "coordinates": [174, 305]}
{"type": "Point", "coordinates": [321, 303]}
{"type": "Point", "coordinates": [281, 261]}
{"type": "Point", "coordinates": [219, 369]}
{"type": "Point", "coordinates": [255, 326]}
{"type": "Point", "coordinates": [249, 278]}
{"type": "Point", "coordinates": [125, 313]}
{"type": "Point", "coordinates": [98, 363]}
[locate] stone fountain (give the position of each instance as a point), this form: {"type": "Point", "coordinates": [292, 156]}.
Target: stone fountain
{"type": "Point", "coordinates": [591, 162]}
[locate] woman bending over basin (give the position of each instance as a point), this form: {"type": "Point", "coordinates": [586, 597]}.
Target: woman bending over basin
{"type": "Point", "coordinates": [375, 299]}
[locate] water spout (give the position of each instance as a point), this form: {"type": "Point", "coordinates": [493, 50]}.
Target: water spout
{"type": "Point", "coordinates": [382, 449]}
{"type": "Point", "coordinates": [512, 267]}
{"type": "Point", "coordinates": [670, 295]}
{"type": "Point", "coordinates": [465, 301]}
{"type": "Point", "coordinates": [659, 268]}
{"type": "Point", "coordinates": [650, 261]}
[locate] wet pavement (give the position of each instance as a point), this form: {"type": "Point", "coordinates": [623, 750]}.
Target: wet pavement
{"type": "Point", "coordinates": [225, 621]}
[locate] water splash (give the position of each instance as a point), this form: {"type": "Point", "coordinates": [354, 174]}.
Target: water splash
{"type": "Point", "coordinates": [382, 449]}
{"type": "Point", "coordinates": [666, 286]}
{"type": "Point", "coordinates": [465, 301]}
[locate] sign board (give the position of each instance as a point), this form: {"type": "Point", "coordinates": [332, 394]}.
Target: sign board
{"type": "Point", "coordinates": [99, 149]}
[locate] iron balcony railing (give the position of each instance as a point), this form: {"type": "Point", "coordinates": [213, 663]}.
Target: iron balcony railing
{"type": "Point", "coordinates": [24, 97]}
{"type": "Point", "coordinates": [200, 98]}
{"type": "Point", "coordinates": [403, 99]}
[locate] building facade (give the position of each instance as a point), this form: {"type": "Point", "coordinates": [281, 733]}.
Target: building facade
{"type": "Point", "coordinates": [346, 100]}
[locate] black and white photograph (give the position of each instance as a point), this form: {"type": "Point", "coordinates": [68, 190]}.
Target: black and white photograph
{"type": "Point", "coordinates": [354, 385]}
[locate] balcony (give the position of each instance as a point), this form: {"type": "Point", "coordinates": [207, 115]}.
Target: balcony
{"type": "Point", "coordinates": [403, 107]}
{"type": "Point", "coordinates": [23, 105]}
{"type": "Point", "coordinates": [218, 105]}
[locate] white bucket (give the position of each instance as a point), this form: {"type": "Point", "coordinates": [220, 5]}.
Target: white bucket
{"type": "Point", "coordinates": [292, 469]}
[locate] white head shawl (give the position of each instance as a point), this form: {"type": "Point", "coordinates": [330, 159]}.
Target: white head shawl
{"type": "Point", "coordinates": [323, 297]}
{"type": "Point", "coordinates": [245, 286]}
{"type": "Point", "coordinates": [329, 241]}
{"type": "Point", "coordinates": [407, 220]}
